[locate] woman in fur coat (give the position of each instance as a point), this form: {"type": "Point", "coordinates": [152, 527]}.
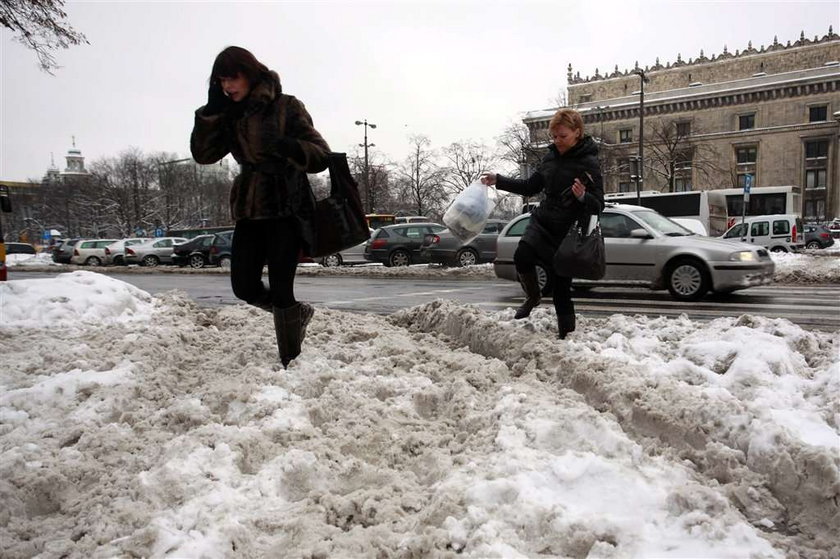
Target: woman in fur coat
{"type": "Point", "coordinates": [272, 137]}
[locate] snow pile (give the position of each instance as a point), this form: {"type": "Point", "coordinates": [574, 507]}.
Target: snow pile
{"type": "Point", "coordinates": [809, 267]}
{"type": "Point", "coordinates": [30, 260]}
{"type": "Point", "coordinates": [71, 298]}
{"type": "Point", "coordinates": [440, 431]}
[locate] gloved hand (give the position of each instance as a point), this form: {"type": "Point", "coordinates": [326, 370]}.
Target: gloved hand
{"type": "Point", "coordinates": [217, 101]}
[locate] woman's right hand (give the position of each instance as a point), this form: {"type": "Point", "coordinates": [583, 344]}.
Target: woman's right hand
{"type": "Point", "coordinates": [217, 101]}
{"type": "Point", "coordinates": [488, 179]}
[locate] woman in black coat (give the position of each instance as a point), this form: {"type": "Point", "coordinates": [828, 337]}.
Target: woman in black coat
{"type": "Point", "coordinates": [570, 177]}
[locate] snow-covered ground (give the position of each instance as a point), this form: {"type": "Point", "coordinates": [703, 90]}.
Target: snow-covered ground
{"type": "Point", "coordinates": [133, 425]}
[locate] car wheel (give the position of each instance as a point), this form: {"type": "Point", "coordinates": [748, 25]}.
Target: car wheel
{"type": "Point", "coordinates": [813, 245]}
{"type": "Point", "coordinates": [93, 261]}
{"type": "Point", "coordinates": [119, 261]}
{"type": "Point", "coordinates": [466, 257]}
{"type": "Point", "coordinates": [196, 261]}
{"type": "Point", "coordinates": [150, 260]}
{"type": "Point", "coordinates": [399, 258]}
{"type": "Point", "coordinates": [331, 261]}
{"type": "Point", "coordinates": [687, 280]}
{"type": "Point", "coordinates": [224, 262]}
{"type": "Point", "coordinates": [778, 249]}
{"type": "Point", "coordinates": [545, 281]}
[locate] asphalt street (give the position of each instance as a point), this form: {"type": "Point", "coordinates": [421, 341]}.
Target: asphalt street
{"type": "Point", "coordinates": [809, 306]}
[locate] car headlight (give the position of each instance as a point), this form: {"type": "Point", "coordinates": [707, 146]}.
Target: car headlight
{"type": "Point", "coordinates": [743, 256]}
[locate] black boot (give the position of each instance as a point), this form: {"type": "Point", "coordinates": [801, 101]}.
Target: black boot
{"type": "Point", "coordinates": [565, 324]}
{"type": "Point", "coordinates": [532, 294]}
{"type": "Point", "coordinates": [290, 327]}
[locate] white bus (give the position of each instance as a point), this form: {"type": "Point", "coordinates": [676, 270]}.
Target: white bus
{"type": "Point", "coordinates": [764, 200]}
{"type": "Point", "coordinates": [706, 206]}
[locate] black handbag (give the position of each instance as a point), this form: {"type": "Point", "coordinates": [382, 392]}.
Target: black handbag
{"type": "Point", "coordinates": [580, 255]}
{"type": "Point", "coordinates": [339, 219]}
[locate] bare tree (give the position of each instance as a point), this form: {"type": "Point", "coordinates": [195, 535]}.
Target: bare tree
{"type": "Point", "coordinates": [40, 25]}
{"type": "Point", "coordinates": [673, 155]}
{"type": "Point", "coordinates": [517, 152]}
{"type": "Point", "coordinates": [419, 178]}
{"type": "Point", "coordinates": [376, 197]}
{"type": "Point", "coordinates": [464, 162]}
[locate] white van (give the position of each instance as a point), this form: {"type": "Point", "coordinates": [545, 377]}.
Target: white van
{"type": "Point", "coordinates": [778, 233]}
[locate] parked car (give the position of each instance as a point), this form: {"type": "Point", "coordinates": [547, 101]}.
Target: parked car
{"type": "Point", "coordinates": [778, 233]}
{"type": "Point", "coordinates": [64, 252]}
{"type": "Point", "coordinates": [445, 248]}
{"type": "Point", "coordinates": [115, 252]}
{"type": "Point", "coordinates": [90, 252]}
{"type": "Point", "coordinates": [645, 248]}
{"type": "Point", "coordinates": [154, 252]}
{"type": "Point", "coordinates": [195, 252]}
{"type": "Point", "coordinates": [411, 219]}
{"type": "Point", "coordinates": [221, 248]}
{"type": "Point", "coordinates": [399, 245]}
{"type": "Point", "coordinates": [817, 236]}
{"type": "Point", "coordinates": [352, 255]}
{"type": "Point", "coordinates": [20, 248]}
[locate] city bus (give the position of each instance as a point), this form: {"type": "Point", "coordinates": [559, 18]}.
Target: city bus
{"type": "Point", "coordinates": [706, 206]}
{"type": "Point", "coordinates": [375, 221]}
{"type": "Point", "coordinates": [764, 200]}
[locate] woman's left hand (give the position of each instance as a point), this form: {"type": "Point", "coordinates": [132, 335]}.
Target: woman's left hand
{"type": "Point", "coordinates": [578, 189]}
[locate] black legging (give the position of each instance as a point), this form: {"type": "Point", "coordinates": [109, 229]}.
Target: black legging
{"type": "Point", "coordinates": [525, 259]}
{"type": "Point", "coordinates": [257, 242]}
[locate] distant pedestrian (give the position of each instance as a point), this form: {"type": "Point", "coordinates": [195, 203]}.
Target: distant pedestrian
{"type": "Point", "coordinates": [570, 177]}
{"type": "Point", "coordinates": [271, 136]}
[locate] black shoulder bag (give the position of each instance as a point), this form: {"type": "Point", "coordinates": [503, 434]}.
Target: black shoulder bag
{"type": "Point", "coordinates": [339, 219]}
{"type": "Point", "coordinates": [581, 255]}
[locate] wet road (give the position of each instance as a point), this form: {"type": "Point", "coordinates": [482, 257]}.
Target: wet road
{"type": "Point", "coordinates": [809, 306]}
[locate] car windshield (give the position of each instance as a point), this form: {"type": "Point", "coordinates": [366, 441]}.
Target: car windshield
{"type": "Point", "coordinates": [662, 224]}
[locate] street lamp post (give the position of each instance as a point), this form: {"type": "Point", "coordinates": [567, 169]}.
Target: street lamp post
{"type": "Point", "coordinates": [640, 180]}
{"type": "Point", "coordinates": [366, 145]}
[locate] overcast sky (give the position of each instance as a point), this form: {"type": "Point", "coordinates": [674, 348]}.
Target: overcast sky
{"type": "Point", "coordinates": [449, 70]}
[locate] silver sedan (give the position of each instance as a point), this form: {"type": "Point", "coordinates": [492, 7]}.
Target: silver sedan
{"type": "Point", "coordinates": [647, 249]}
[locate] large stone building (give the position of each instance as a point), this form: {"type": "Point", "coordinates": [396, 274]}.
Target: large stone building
{"type": "Point", "coordinates": [769, 113]}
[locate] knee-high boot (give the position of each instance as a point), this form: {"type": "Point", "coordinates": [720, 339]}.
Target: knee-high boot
{"type": "Point", "coordinates": [565, 324]}
{"type": "Point", "coordinates": [532, 294]}
{"type": "Point", "coordinates": [290, 328]}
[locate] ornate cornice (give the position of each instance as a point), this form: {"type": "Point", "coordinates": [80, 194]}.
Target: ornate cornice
{"type": "Point", "coordinates": [575, 78]}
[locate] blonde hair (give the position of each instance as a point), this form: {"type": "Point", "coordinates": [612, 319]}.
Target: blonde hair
{"type": "Point", "coordinates": [569, 118]}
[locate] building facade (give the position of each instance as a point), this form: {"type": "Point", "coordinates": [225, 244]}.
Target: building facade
{"type": "Point", "coordinates": [768, 116]}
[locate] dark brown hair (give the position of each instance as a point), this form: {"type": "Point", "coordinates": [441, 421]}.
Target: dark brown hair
{"type": "Point", "coordinates": [235, 60]}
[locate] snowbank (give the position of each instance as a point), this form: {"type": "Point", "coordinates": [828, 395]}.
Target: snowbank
{"type": "Point", "coordinates": [440, 431]}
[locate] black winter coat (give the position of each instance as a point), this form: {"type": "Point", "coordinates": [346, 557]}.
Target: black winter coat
{"type": "Point", "coordinates": [551, 220]}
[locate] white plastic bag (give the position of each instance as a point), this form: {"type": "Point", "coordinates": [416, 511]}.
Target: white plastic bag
{"type": "Point", "coordinates": [469, 211]}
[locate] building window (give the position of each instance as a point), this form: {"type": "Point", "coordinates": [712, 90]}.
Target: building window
{"type": "Point", "coordinates": [682, 184]}
{"type": "Point", "coordinates": [585, 98]}
{"type": "Point", "coordinates": [816, 150]}
{"type": "Point", "coordinates": [818, 114]}
{"type": "Point", "coordinates": [746, 122]}
{"type": "Point", "coordinates": [625, 187]}
{"type": "Point", "coordinates": [625, 136]}
{"type": "Point", "coordinates": [683, 129]}
{"type": "Point", "coordinates": [815, 179]}
{"type": "Point", "coordinates": [746, 156]}
{"type": "Point", "coordinates": [742, 180]}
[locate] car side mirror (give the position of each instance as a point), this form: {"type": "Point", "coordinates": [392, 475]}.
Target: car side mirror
{"type": "Point", "coordinates": [640, 234]}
